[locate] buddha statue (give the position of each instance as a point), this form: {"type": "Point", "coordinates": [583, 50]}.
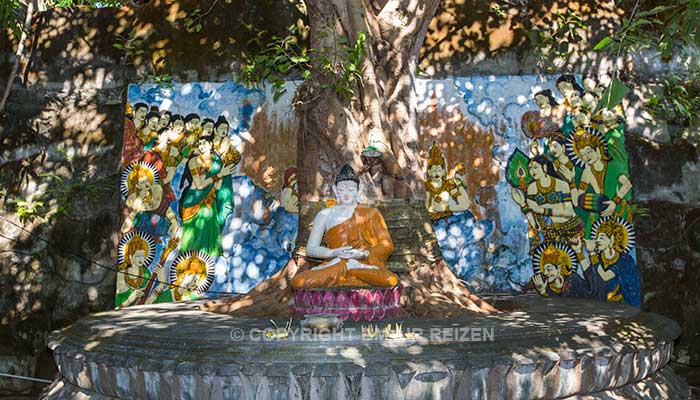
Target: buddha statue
{"type": "Point", "coordinates": [357, 242]}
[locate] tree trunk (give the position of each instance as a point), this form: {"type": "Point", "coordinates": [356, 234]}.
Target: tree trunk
{"type": "Point", "coordinates": [334, 131]}
{"type": "Point", "coordinates": [31, 7]}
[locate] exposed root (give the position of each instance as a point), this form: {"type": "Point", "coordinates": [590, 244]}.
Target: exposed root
{"type": "Point", "coordinates": [430, 291]}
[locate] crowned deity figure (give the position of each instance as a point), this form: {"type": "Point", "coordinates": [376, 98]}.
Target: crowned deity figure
{"type": "Point", "coordinates": [604, 188]}
{"type": "Point", "coordinates": [613, 240]}
{"type": "Point", "coordinates": [136, 283]}
{"type": "Point", "coordinates": [443, 196]}
{"type": "Point", "coordinates": [352, 239]}
{"type": "Point", "coordinates": [555, 266]}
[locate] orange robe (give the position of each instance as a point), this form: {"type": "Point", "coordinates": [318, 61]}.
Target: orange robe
{"type": "Point", "coordinates": [364, 230]}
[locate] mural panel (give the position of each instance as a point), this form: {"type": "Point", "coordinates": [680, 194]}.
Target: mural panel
{"type": "Point", "coordinates": [526, 182]}
{"type": "Point", "coordinates": [193, 224]}
{"type": "Point", "coordinates": [555, 173]}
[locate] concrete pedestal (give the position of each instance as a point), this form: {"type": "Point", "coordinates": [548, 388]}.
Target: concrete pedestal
{"type": "Point", "coordinates": [547, 348]}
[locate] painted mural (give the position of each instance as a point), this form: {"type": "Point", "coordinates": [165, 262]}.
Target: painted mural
{"type": "Point", "coordinates": [526, 184]}
{"type": "Point", "coordinates": [193, 224]}
{"type": "Point", "coordinates": [550, 170]}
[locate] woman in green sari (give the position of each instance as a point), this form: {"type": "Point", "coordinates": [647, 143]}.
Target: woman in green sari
{"type": "Point", "coordinates": [201, 226]}
{"type": "Point", "coordinates": [223, 146]}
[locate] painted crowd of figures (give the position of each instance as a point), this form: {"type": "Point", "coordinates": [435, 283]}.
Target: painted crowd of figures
{"type": "Point", "coordinates": [180, 175]}
{"type": "Point", "coordinates": [574, 190]}
{"type": "Point", "coordinates": [166, 158]}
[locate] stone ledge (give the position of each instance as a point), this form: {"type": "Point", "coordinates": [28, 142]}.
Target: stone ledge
{"type": "Point", "coordinates": [553, 348]}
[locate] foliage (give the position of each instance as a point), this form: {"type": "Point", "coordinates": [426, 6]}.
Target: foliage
{"type": "Point", "coordinates": [90, 3]}
{"type": "Point", "coordinates": [613, 95]}
{"type": "Point", "coordinates": [29, 210]}
{"type": "Point", "coordinates": [339, 64]}
{"type": "Point", "coordinates": [11, 17]}
{"type": "Point", "coordinates": [639, 211]}
{"type": "Point", "coordinates": [665, 28]}
{"type": "Point", "coordinates": [130, 45]}
{"type": "Point", "coordinates": [193, 20]}
{"type": "Point", "coordinates": [61, 198]}
{"type": "Point", "coordinates": [680, 101]}
{"type": "Point", "coordinates": [12, 11]}
{"type": "Point", "coordinates": [164, 81]}
{"type": "Point", "coordinates": [279, 57]}
{"type": "Point", "coordinates": [556, 43]}
{"type": "Point", "coordinates": [662, 27]}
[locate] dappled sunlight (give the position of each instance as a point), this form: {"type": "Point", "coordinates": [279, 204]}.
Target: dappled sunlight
{"type": "Point", "coordinates": [478, 31]}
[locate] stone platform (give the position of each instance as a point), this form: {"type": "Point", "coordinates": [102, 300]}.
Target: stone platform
{"type": "Point", "coordinates": [545, 348]}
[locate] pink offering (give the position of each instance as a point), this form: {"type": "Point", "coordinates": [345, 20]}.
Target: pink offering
{"type": "Point", "coordinates": [329, 299]}
{"type": "Point", "coordinates": [356, 304]}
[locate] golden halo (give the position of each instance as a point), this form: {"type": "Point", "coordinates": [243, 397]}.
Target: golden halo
{"type": "Point", "coordinates": [126, 240]}
{"type": "Point", "coordinates": [130, 175]}
{"type": "Point", "coordinates": [616, 226]}
{"type": "Point", "coordinates": [193, 262]}
{"type": "Point", "coordinates": [558, 254]}
{"type": "Point", "coordinates": [581, 138]}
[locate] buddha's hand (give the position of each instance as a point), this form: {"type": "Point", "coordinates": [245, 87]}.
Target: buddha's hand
{"type": "Point", "coordinates": [354, 264]}
{"type": "Point", "coordinates": [349, 253]}
{"type": "Point", "coordinates": [354, 254]}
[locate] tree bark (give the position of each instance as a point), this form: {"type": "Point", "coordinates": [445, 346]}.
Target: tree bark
{"type": "Point", "coordinates": [31, 7]}
{"type": "Point", "coordinates": [334, 131]}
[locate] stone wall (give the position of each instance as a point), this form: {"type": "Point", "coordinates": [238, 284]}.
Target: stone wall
{"type": "Point", "coordinates": [61, 136]}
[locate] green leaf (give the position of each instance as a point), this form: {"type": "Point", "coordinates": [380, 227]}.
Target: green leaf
{"type": "Point", "coordinates": [283, 68]}
{"type": "Point", "coordinates": [613, 95]}
{"type": "Point", "coordinates": [605, 42]}
{"type": "Point", "coordinates": [198, 28]}
{"type": "Point", "coordinates": [306, 74]}
{"type": "Point", "coordinates": [277, 94]}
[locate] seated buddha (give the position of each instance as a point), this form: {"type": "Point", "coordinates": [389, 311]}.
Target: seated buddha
{"type": "Point", "coordinates": [357, 242]}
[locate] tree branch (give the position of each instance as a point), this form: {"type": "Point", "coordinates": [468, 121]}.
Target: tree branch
{"type": "Point", "coordinates": [31, 6]}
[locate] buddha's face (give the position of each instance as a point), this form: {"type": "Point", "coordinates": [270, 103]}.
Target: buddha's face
{"type": "Point", "coordinates": [140, 113]}
{"type": "Point", "coordinates": [556, 148]}
{"type": "Point", "coordinates": [178, 126]}
{"type": "Point", "coordinates": [603, 241]}
{"type": "Point", "coordinates": [590, 155]}
{"type": "Point", "coordinates": [551, 272]}
{"type": "Point", "coordinates": [153, 123]}
{"type": "Point", "coordinates": [536, 170]}
{"type": "Point", "coordinates": [138, 258]}
{"type": "Point", "coordinates": [436, 172]}
{"type": "Point", "coordinates": [222, 130]}
{"type": "Point", "coordinates": [346, 192]}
